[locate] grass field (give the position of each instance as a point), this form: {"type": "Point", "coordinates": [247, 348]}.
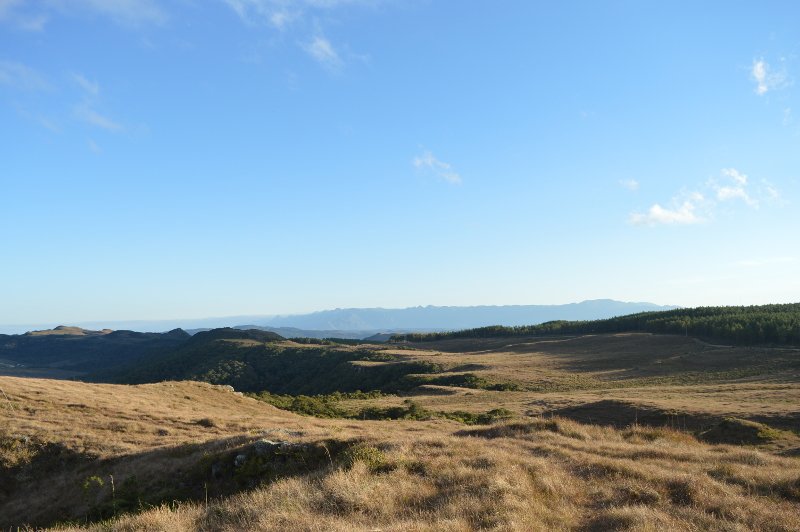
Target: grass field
{"type": "Point", "coordinates": [610, 432]}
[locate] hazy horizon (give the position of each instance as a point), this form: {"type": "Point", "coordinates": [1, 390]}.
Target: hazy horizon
{"type": "Point", "coordinates": [165, 324]}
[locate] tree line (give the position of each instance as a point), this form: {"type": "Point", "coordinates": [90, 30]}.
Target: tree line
{"type": "Point", "coordinates": [745, 325]}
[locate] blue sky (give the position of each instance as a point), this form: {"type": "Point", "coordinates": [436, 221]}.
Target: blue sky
{"type": "Point", "coordinates": [182, 159]}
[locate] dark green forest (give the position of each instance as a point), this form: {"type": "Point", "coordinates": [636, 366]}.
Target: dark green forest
{"type": "Point", "coordinates": [90, 351]}
{"type": "Point", "coordinates": [253, 361]}
{"type": "Point", "coordinates": [752, 325]}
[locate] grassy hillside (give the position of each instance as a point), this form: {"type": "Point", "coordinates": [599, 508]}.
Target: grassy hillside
{"type": "Point", "coordinates": [700, 382]}
{"type": "Point", "coordinates": [753, 325]}
{"type": "Point", "coordinates": [189, 456]}
{"type": "Point", "coordinates": [623, 431]}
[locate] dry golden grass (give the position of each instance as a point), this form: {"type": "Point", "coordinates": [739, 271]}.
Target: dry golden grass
{"type": "Point", "coordinates": [108, 420]}
{"type": "Point", "coordinates": [533, 475]}
{"type": "Point", "coordinates": [528, 474]}
{"type": "Point", "coordinates": [535, 472]}
{"type": "Point", "coordinates": [690, 379]}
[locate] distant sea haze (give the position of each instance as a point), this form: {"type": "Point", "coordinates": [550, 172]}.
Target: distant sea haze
{"type": "Point", "coordinates": [363, 322]}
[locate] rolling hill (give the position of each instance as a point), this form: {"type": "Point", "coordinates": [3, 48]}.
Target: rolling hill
{"type": "Point", "coordinates": [515, 431]}
{"type": "Point", "coordinates": [184, 456]}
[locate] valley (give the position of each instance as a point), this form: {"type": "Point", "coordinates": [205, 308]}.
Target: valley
{"type": "Point", "coordinates": [623, 431]}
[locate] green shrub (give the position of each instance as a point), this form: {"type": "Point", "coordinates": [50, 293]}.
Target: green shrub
{"type": "Point", "coordinates": [372, 457]}
{"type": "Point", "coordinates": [485, 418]}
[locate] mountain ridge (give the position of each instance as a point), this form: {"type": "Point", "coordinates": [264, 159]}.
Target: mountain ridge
{"type": "Point", "coordinates": [458, 317]}
{"type": "Point", "coordinates": [373, 320]}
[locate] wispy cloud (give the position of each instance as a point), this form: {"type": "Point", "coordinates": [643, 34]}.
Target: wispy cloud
{"type": "Point", "coordinates": [89, 86]}
{"type": "Point", "coordinates": [33, 16]}
{"type": "Point", "coordinates": [10, 13]}
{"type": "Point", "coordinates": [770, 192]}
{"type": "Point", "coordinates": [124, 12]}
{"type": "Point", "coordinates": [276, 13]}
{"type": "Point", "coordinates": [6, 6]}
{"type": "Point", "coordinates": [765, 77]}
{"type": "Point", "coordinates": [282, 18]}
{"type": "Point", "coordinates": [630, 184]}
{"type": "Point", "coordinates": [305, 19]}
{"type": "Point", "coordinates": [19, 76]}
{"type": "Point", "coordinates": [700, 205]}
{"type": "Point", "coordinates": [37, 118]}
{"type": "Point", "coordinates": [48, 124]}
{"type": "Point", "coordinates": [323, 52]}
{"type": "Point", "coordinates": [736, 188]}
{"type": "Point", "coordinates": [86, 111]}
{"type": "Point", "coordinates": [765, 261]}
{"type": "Point", "coordinates": [428, 163]}
{"type": "Point", "coordinates": [92, 117]}
{"type": "Point", "coordinates": [254, 11]}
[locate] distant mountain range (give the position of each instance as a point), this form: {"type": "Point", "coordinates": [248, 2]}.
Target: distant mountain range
{"type": "Point", "coordinates": [455, 318]}
{"type": "Point", "coordinates": [378, 324]}
{"type": "Point", "coordinates": [365, 322]}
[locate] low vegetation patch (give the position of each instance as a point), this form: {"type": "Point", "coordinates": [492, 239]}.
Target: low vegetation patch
{"type": "Point", "coordinates": [485, 418]}
{"type": "Point", "coordinates": [323, 405]}
{"type": "Point", "coordinates": [740, 431]}
{"type": "Point", "coordinates": [327, 406]}
{"type": "Point", "coordinates": [463, 380]}
{"type": "Point", "coordinates": [373, 458]}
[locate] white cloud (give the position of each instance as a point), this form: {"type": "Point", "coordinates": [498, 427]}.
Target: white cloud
{"type": "Point", "coordinates": [90, 116]}
{"type": "Point", "coordinates": [89, 86]}
{"type": "Point", "coordinates": [630, 184]}
{"type": "Point", "coordinates": [731, 186]}
{"type": "Point", "coordinates": [94, 147]}
{"type": "Point", "coordinates": [684, 212]}
{"type": "Point", "coordinates": [759, 73]}
{"type": "Point", "coordinates": [427, 162]}
{"type": "Point", "coordinates": [19, 76]}
{"type": "Point", "coordinates": [729, 193]}
{"type": "Point", "coordinates": [765, 77]}
{"type": "Point", "coordinates": [323, 52]}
